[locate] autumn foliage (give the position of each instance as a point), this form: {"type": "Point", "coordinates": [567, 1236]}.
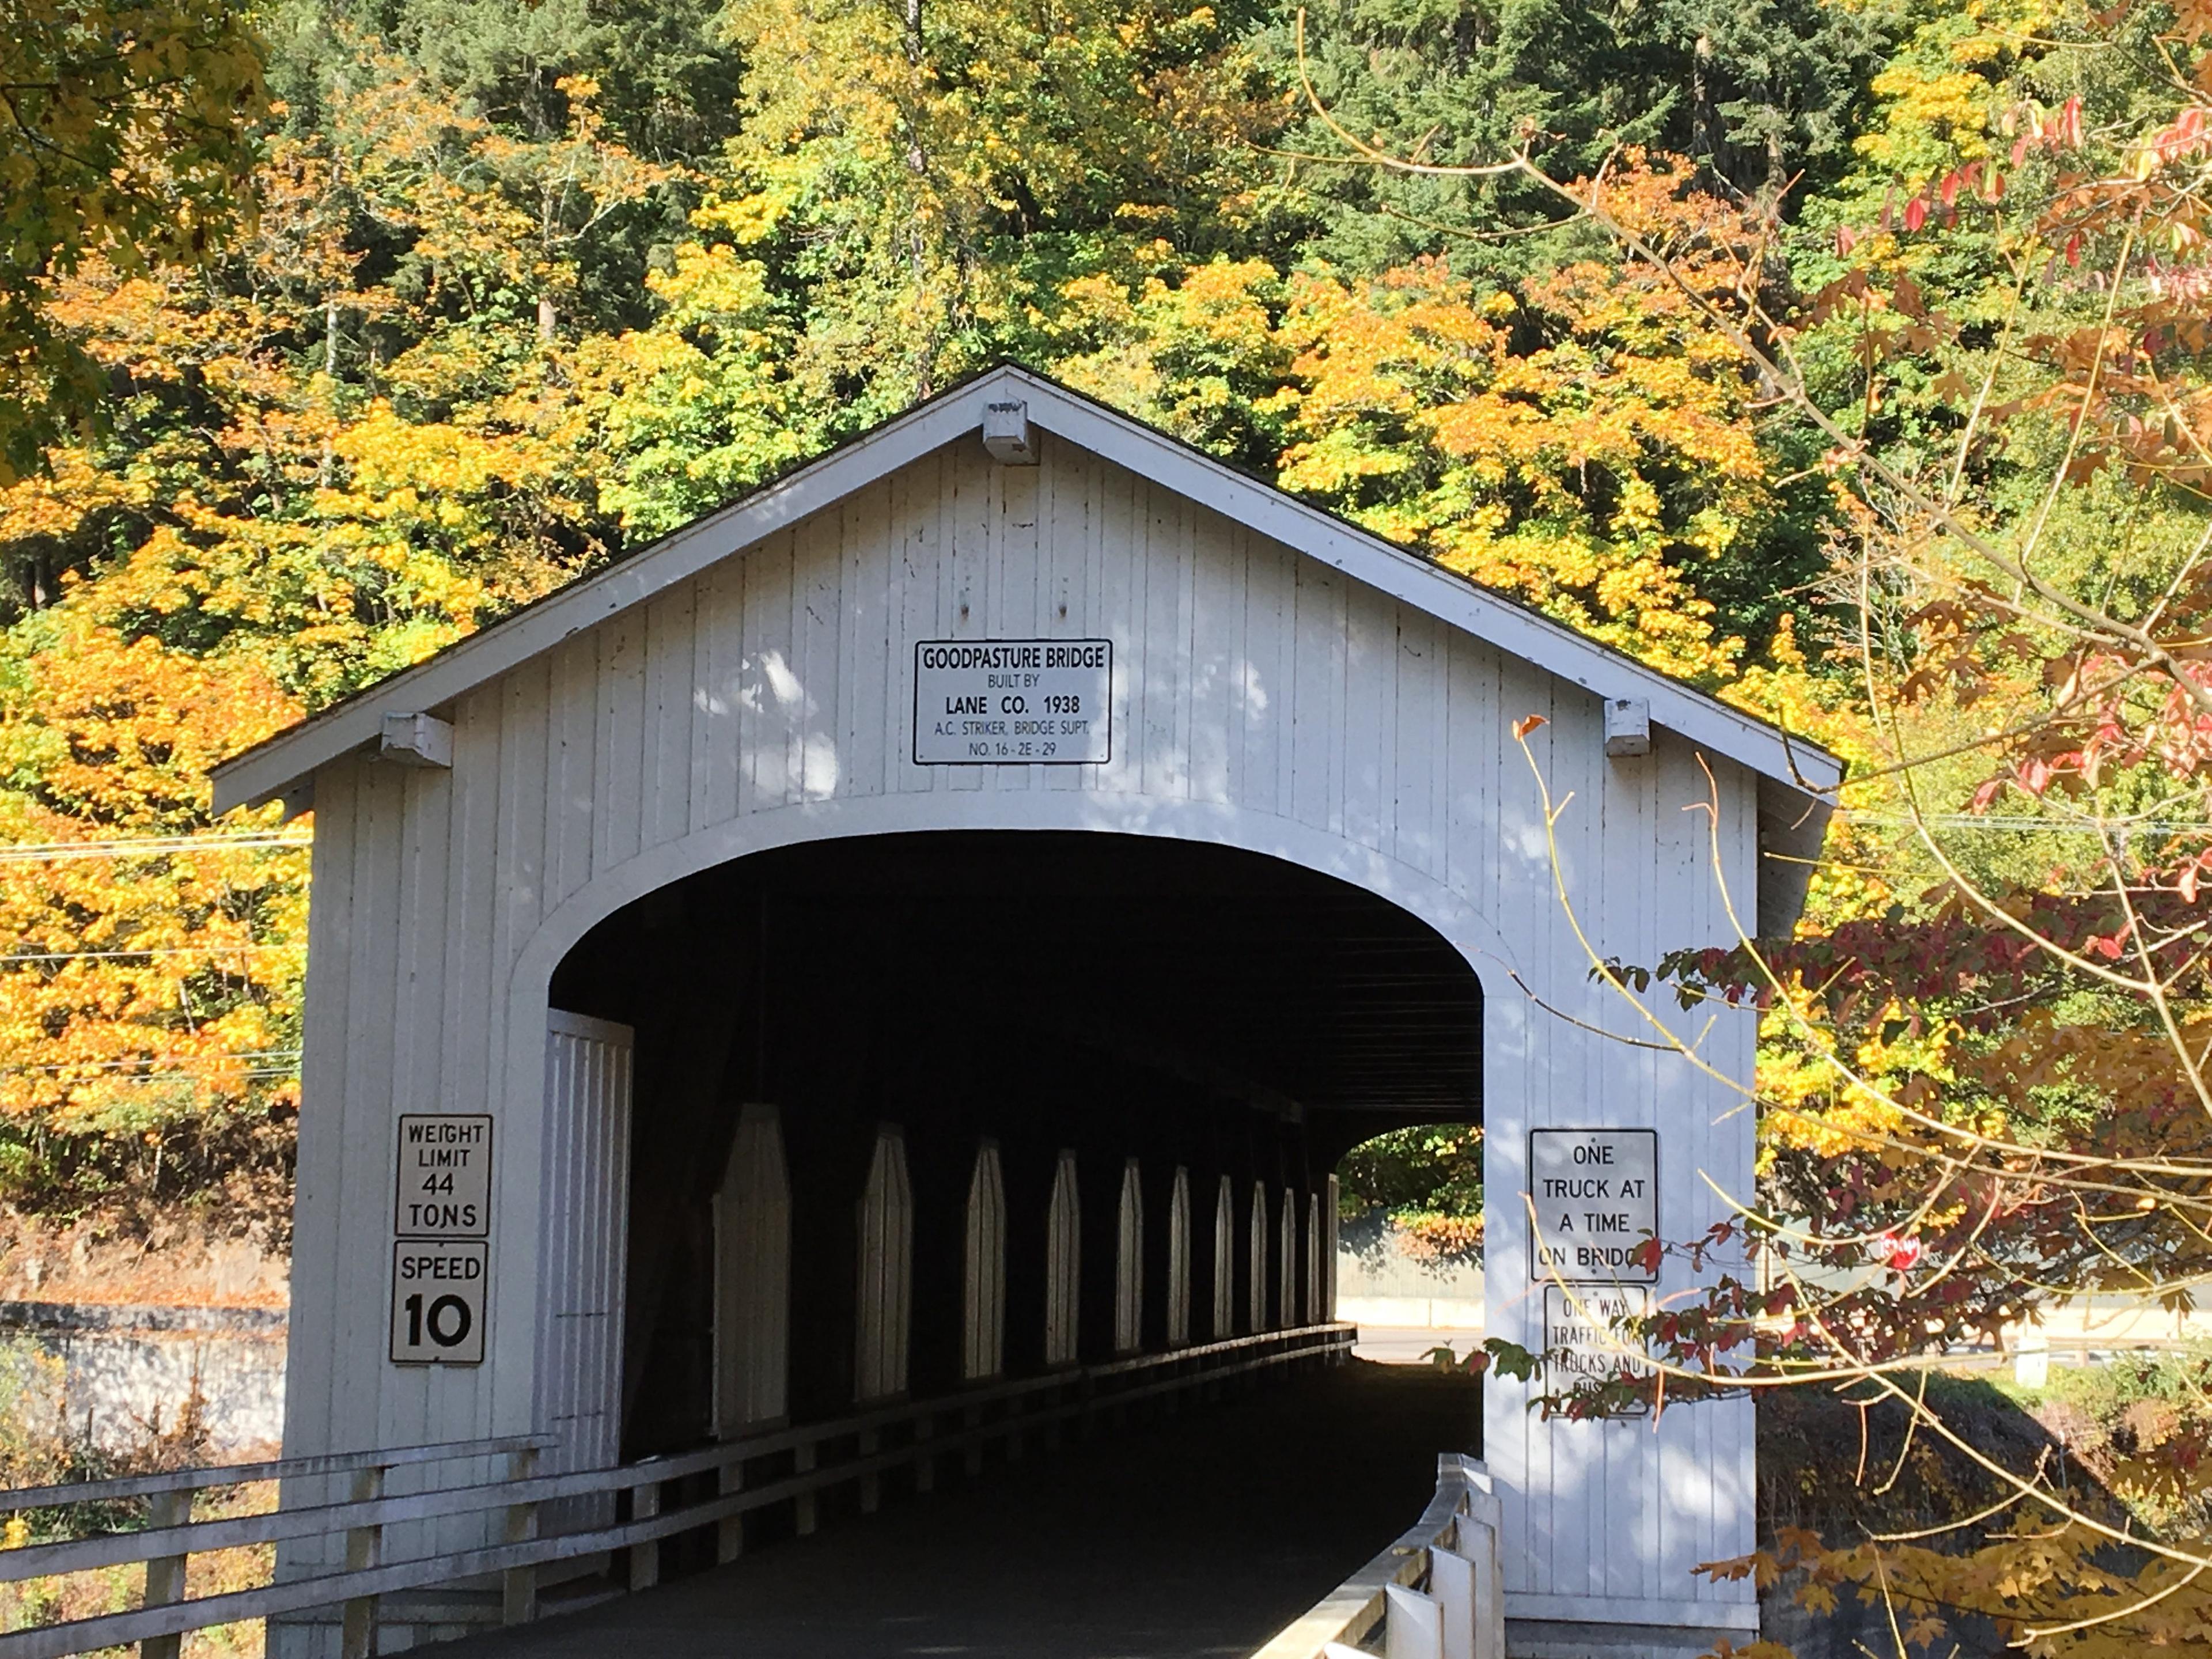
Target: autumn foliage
{"type": "Point", "coordinates": [1849, 360]}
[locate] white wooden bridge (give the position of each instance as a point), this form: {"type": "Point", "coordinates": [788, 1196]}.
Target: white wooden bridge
{"type": "Point", "coordinates": [890, 969]}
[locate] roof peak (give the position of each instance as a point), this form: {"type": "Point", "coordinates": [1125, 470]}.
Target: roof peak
{"type": "Point", "coordinates": [281, 764]}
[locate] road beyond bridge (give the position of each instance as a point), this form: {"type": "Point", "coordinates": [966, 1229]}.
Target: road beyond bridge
{"type": "Point", "coordinates": [1200, 1535]}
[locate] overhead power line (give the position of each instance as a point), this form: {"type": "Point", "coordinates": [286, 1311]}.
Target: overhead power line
{"type": "Point", "coordinates": [2022, 825]}
{"type": "Point", "coordinates": [150, 951]}
{"type": "Point", "coordinates": [140, 847]}
{"type": "Point", "coordinates": [184, 1062]}
{"type": "Point", "coordinates": [255, 1074]}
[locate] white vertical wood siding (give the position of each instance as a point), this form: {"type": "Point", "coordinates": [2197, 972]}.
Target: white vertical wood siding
{"type": "Point", "coordinates": [752, 1277]}
{"type": "Point", "coordinates": [1178, 1305]}
{"type": "Point", "coordinates": [983, 1269]}
{"type": "Point", "coordinates": [1063, 1264]}
{"type": "Point", "coordinates": [885, 1312]}
{"type": "Point", "coordinates": [585, 1236]}
{"type": "Point", "coordinates": [584, 1233]}
{"type": "Point", "coordinates": [1262, 700]}
{"type": "Point", "coordinates": [1129, 1263]}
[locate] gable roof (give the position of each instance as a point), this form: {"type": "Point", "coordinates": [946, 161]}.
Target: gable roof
{"type": "Point", "coordinates": [277, 765]}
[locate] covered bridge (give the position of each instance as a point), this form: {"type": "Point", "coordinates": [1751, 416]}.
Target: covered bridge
{"type": "Point", "coordinates": [944, 917]}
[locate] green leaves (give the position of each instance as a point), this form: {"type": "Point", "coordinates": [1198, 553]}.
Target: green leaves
{"type": "Point", "coordinates": [125, 137]}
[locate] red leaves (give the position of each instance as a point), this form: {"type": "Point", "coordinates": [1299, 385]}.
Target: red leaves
{"type": "Point", "coordinates": [1901, 1253]}
{"type": "Point", "coordinates": [1915, 213]}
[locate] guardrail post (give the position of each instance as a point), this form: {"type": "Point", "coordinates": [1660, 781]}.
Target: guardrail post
{"type": "Point", "coordinates": [518, 1589]}
{"type": "Point", "coordinates": [802, 1462]}
{"type": "Point", "coordinates": [1476, 1532]}
{"type": "Point", "coordinates": [364, 1547]}
{"type": "Point", "coordinates": [925, 1466]}
{"type": "Point", "coordinates": [730, 1530]}
{"type": "Point", "coordinates": [1413, 1628]}
{"type": "Point", "coordinates": [645, 1556]}
{"type": "Point", "coordinates": [1454, 1581]}
{"type": "Point", "coordinates": [165, 1574]}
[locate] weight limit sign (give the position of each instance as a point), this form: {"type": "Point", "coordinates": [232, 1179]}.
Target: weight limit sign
{"type": "Point", "coordinates": [441, 1248]}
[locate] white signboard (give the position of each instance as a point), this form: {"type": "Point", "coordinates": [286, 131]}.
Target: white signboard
{"type": "Point", "coordinates": [1581, 1344]}
{"type": "Point", "coordinates": [1594, 1198]}
{"type": "Point", "coordinates": [445, 1176]}
{"type": "Point", "coordinates": [438, 1289]}
{"type": "Point", "coordinates": [995, 702]}
{"type": "Point", "coordinates": [441, 1242]}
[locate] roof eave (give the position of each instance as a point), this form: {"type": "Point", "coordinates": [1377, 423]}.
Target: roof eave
{"type": "Point", "coordinates": [277, 766]}
{"type": "Point", "coordinates": [273, 767]}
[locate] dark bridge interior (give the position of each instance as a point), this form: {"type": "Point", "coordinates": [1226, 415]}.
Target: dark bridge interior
{"type": "Point", "coordinates": [1123, 996]}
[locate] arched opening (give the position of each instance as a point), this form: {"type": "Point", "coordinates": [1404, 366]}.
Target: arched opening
{"type": "Point", "coordinates": [1166, 1046]}
{"type": "Point", "coordinates": [1408, 1259]}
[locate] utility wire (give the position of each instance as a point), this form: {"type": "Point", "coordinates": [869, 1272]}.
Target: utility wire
{"type": "Point", "coordinates": [150, 951]}
{"type": "Point", "coordinates": [259, 1074]}
{"type": "Point", "coordinates": [140, 847]}
{"type": "Point", "coordinates": [156, 1059]}
{"type": "Point", "coordinates": [2055, 826]}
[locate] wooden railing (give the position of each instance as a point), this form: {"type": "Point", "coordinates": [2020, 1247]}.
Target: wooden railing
{"type": "Point", "coordinates": [1433, 1594]}
{"type": "Point", "coordinates": [792, 1465]}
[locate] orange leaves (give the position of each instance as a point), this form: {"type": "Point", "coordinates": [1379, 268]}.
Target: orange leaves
{"type": "Point", "coordinates": [134, 989]}
{"type": "Point", "coordinates": [121, 731]}
{"type": "Point", "coordinates": [1584, 441]}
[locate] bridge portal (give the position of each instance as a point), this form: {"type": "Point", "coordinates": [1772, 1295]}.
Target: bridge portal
{"type": "Point", "coordinates": [942, 917]}
{"type": "Point", "coordinates": [1192, 1033]}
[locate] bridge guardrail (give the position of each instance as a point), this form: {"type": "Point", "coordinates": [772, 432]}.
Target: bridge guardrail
{"type": "Point", "coordinates": [1434, 1594]}
{"type": "Point", "coordinates": [1006, 1411]}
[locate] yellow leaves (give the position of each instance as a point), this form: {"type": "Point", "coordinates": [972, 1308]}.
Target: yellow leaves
{"type": "Point", "coordinates": [753, 217]}
{"type": "Point", "coordinates": [128, 145]}
{"type": "Point", "coordinates": [1955, 106]}
{"type": "Point", "coordinates": [1584, 442]}
{"type": "Point", "coordinates": [122, 732]}
{"type": "Point", "coordinates": [136, 989]}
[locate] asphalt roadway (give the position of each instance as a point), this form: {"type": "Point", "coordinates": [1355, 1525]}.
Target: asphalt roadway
{"type": "Point", "coordinates": [1196, 1535]}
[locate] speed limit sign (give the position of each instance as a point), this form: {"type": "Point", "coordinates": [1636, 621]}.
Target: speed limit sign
{"type": "Point", "coordinates": [438, 1302]}
{"type": "Point", "coordinates": [441, 1253]}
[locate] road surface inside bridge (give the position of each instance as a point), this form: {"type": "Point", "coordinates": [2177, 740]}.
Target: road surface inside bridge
{"type": "Point", "coordinates": [1199, 1534]}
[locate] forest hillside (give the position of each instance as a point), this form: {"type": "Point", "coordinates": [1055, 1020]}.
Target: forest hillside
{"type": "Point", "coordinates": [1851, 358]}
{"type": "Point", "coordinates": [503, 291]}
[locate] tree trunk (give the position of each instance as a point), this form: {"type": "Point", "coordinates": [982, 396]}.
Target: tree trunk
{"type": "Point", "coordinates": [1705, 131]}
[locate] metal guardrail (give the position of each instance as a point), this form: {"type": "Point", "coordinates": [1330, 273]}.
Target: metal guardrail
{"type": "Point", "coordinates": [858, 1449]}
{"type": "Point", "coordinates": [1435, 1593]}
